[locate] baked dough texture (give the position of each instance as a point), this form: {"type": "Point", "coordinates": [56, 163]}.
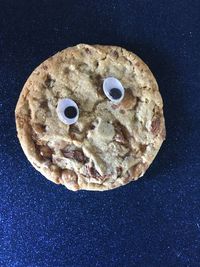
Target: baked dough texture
{"type": "Point", "coordinates": [111, 144]}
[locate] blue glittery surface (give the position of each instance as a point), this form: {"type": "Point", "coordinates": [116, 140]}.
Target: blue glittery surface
{"type": "Point", "coordinates": [152, 222]}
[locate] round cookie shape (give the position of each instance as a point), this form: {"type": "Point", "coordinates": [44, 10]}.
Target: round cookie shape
{"type": "Point", "coordinates": [78, 134]}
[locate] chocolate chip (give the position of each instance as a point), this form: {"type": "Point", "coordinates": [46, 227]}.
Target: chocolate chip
{"type": "Point", "coordinates": [143, 148]}
{"type": "Point", "coordinates": [39, 128]}
{"type": "Point", "coordinates": [129, 101]}
{"type": "Point", "coordinates": [76, 155]}
{"type": "Point", "coordinates": [44, 104]}
{"type": "Point", "coordinates": [46, 152]}
{"type": "Point", "coordinates": [92, 127]}
{"type": "Point", "coordinates": [45, 67]}
{"type": "Point", "coordinates": [93, 172]}
{"type": "Point", "coordinates": [115, 54]}
{"type": "Point", "coordinates": [120, 136]}
{"type": "Point", "coordinates": [49, 82]}
{"type": "Point", "coordinates": [97, 83]}
{"type": "Point", "coordinates": [119, 171]}
{"type": "Point", "coordinates": [88, 51]}
{"type": "Point", "coordinates": [155, 126]}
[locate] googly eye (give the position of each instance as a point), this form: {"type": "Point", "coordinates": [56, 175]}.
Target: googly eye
{"type": "Point", "coordinates": [113, 89]}
{"type": "Point", "coordinates": [67, 111]}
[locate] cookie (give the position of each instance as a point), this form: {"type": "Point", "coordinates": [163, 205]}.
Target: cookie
{"type": "Point", "coordinates": [91, 117]}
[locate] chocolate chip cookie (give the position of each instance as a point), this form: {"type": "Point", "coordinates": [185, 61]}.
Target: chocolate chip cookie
{"type": "Point", "coordinates": [91, 117]}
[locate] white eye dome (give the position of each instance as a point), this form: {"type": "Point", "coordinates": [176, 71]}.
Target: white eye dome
{"type": "Point", "coordinates": [113, 89]}
{"type": "Point", "coordinates": [68, 111]}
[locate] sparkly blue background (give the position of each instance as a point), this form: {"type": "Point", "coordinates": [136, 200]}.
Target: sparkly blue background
{"type": "Point", "coordinates": [152, 222]}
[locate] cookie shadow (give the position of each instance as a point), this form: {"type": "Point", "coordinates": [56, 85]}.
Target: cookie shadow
{"type": "Point", "coordinates": [165, 69]}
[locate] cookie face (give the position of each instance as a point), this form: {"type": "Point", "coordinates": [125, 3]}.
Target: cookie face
{"type": "Point", "coordinates": [91, 117]}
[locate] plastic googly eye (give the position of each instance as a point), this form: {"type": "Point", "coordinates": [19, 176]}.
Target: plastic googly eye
{"type": "Point", "coordinates": [68, 111]}
{"type": "Point", "coordinates": [113, 89]}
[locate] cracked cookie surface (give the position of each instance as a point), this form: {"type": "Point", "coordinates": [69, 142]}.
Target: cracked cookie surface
{"type": "Point", "coordinates": [110, 144]}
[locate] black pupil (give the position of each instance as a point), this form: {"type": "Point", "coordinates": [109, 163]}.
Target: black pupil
{"type": "Point", "coordinates": [115, 93]}
{"type": "Point", "coordinates": [70, 112]}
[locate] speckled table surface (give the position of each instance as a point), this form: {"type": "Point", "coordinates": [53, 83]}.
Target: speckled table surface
{"type": "Point", "coordinates": [152, 222]}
